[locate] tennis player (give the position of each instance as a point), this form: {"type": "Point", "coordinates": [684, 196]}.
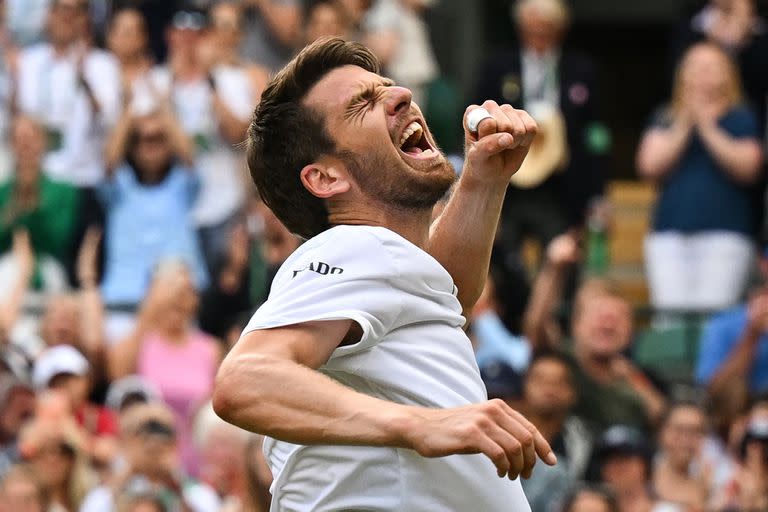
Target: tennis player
{"type": "Point", "coordinates": [357, 367]}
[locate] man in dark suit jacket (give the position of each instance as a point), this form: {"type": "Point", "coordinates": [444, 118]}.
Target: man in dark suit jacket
{"type": "Point", "coordinates": [541, 71]}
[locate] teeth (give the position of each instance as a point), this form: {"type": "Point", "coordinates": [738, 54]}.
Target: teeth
{"type": "Point", "coordinates": [410, 130]}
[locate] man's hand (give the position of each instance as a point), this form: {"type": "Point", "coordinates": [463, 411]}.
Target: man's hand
{"type": "Point", "coordinates": [491, 428]}
{"type": "Point", "coordinates": [502, 141]}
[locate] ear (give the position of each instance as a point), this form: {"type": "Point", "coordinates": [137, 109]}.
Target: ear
{"type": "Point", "coordinates": [324, 179]}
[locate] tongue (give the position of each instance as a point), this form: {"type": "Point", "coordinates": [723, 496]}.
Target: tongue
{"type": "Point", "coordinates": [414, 150]}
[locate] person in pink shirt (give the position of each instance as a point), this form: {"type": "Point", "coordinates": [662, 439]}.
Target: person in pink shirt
{"type": "Point", "coordinates": [167, 349]}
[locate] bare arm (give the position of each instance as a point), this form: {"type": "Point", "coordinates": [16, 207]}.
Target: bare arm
{"type": "Point", "coordinates": [284, 20]}
{"type": "Point", "coordinates": [25, 261]}
{"type": "Point", "coordinates": [231, 127]}
{"type": "Point", "coordinates": [122, 358]}
{"type": "Point", "coordinates": [736, 369]}
{"type": "Point", "coordinates": [661, 148]}
{"type": "Point", "coordinates": [182, 144]}
{"type": "Point", "coordinates": [741, 158]}
{"type": "Point", "coordinates": [539, 323]}
{"type": "Point", "coordinates": [297, 404]}
{"type": "Point", "coordinates": [462, 237]}
{"type": "Point", "coordinates": [91, 306]}
{"type": "Point", "coordinates": [116, 145]}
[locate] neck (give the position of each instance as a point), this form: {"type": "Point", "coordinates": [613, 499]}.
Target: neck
{"type": "Point", "coordinates": [596, 367]}
{"type": "Point", "coordinates": [413, 225]}
{"type": "Point", "coordinates": [132, 63]}
{"type": "Point", "coordinates": [185, 65]}
{"type": "Point", "coordinates": [62, 48]}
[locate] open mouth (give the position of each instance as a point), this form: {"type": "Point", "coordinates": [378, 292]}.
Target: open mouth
{"type": "Point", "coordinates": [413, 142]}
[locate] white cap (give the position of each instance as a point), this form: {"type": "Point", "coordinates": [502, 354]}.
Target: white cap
{"type": "Point", "coordinates": [122, 388]}
{"type": "Point", "coordinates": [57, 360]}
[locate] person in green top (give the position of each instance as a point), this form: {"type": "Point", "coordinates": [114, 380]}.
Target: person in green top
{"type": "Point", "coordinates": [611, 388]}
{"type": "Point", "coordinates": [48, 210]}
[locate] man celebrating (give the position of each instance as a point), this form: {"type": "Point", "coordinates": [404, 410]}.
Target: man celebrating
{"type": "Point", "coordinates": [357, 367]}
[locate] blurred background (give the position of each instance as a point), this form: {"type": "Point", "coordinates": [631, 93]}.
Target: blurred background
{"type": "Point", "coordinates": [626, 310]}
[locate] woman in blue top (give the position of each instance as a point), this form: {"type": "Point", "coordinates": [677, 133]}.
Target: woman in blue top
{"type": "Point", "coordinates": [704, 154]}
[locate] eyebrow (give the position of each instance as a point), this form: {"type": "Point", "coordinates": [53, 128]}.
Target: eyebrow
{"type": "Point", "coordinates": [366, 90]}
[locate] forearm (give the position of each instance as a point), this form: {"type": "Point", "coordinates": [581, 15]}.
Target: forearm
{"type": "Point", "coordinates": [122, 358]}
{"type": "Point", "coordinates": [297, 404]}
{"type": "Point", "coordinates": [462, 237]}
{"type": "Point", "coordinates": [92, 319]}
{"type": "Point", "coordinates": [736, 368]}
{"type": "Point", "coordinates": [661, 149]}
{"type": "Point", "coordinates": [545, 297]}
{"type": "Point", "coordinates": [11, 308]}
{"type": "Point", "coordinates": [653, 401]}
{"type": "Point", "coordinates": [740, 158]}
{"type": "Point", "coordinates": [232, 128]}
{"type": "Point", "coordinates": [116, 145]}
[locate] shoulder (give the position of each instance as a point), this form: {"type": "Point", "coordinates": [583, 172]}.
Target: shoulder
{"type": "Point", "coordinates": [741, 116]}
{"type": "Point", "coordinates": [339, 250]}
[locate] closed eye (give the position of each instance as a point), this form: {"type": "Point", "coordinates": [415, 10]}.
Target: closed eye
{"type": "Point", "coordinates": [366, 100]}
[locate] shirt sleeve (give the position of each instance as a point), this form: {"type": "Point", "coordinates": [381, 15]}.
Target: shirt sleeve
{"type": "Point", "coordinates": [719, 336]}
{"type": "Point", "coordinates": [346, 277]}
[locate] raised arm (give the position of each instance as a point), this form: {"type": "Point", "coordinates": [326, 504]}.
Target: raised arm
{"type": "Point", "coordinates": [297, 404]}
{"type": "Point", "coordinates": [116, 146]}
{"type": "Point", "coordinates": [661, 148]}
{"type": "Point", "coordinates": [741, 158]}
{"type": "Point", "coordinates": [91, 305]}
{"type": "Point", "coordinates": [539, 323]}
{"type": "Point", "coordinates": [462, 237]}
{"type": "Point", "coordinates": [25, 261]}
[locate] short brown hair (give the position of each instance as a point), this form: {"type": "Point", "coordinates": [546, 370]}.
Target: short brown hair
{"type": "Point", "coordinates": [286, 135]}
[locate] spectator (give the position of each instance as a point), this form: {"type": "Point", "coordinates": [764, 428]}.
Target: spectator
{"type": "Point", "coordinates": [272, 30]}
{"type": "Point", "coordinates": [128, 40]}
{"type": "Point", "coordinates": [397, 33]}
{"type": "Point", "coordinates": [166, 349]}
{"type": "Point", "coordinates": [150, 466]}
{"type": "Point", "coordinates": [733, 353]}
{"type": "Point", "coordinates": [623, 462]}
{"type": "Point", "coordinates": [56, 452]}
{"type": "Point", "coordinates": [549, 394]}
{"type": "Point", "coordinates": [702, 149]}
{"type": "Point", "coordinates": [326, 18]}
{"type": "Point", "coordinates": [47, 209]}
{"type": "Point", "coordinates": [223, 42]}
{"type": "Point", "coordinates": [735, 26]}
{"type": "Point", "coordinates": [559, 87]}
{"type": "Point", "coordinates": [74, 91]}
{"type": "Point", "coordinates": [749, 488]}
{"type": "Point", "coordinates": [17, 405]}
{"type": "Point", "coordinates": [591, 499]}
{"type": "Point", "coordinates": [213, 99]}
{"type": "Point", "coordinates": [148, 197]}
{"type": "Point", "coordinates": [22, 491]}
{"type": "Point", "coordinates": [23, 261]}
{"type": "Point", "coordinates": [679, 475]}
{"type": "Point", "coordinates": [66, 370]}
{"type": "Point", "coordinates": [224, 456]}
{"type": "Point", "coordinates": [611, 388]}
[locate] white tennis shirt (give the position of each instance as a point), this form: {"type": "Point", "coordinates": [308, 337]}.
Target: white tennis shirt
{"type": "Point", "coordinates": [413, 351]}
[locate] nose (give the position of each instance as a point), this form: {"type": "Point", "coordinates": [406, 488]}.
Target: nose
{"type": "Point", "coordinates": [397, 100]}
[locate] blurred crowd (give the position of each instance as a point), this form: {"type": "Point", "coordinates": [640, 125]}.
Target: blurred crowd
{"type": "Point", "coordinates": [133, 249]}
